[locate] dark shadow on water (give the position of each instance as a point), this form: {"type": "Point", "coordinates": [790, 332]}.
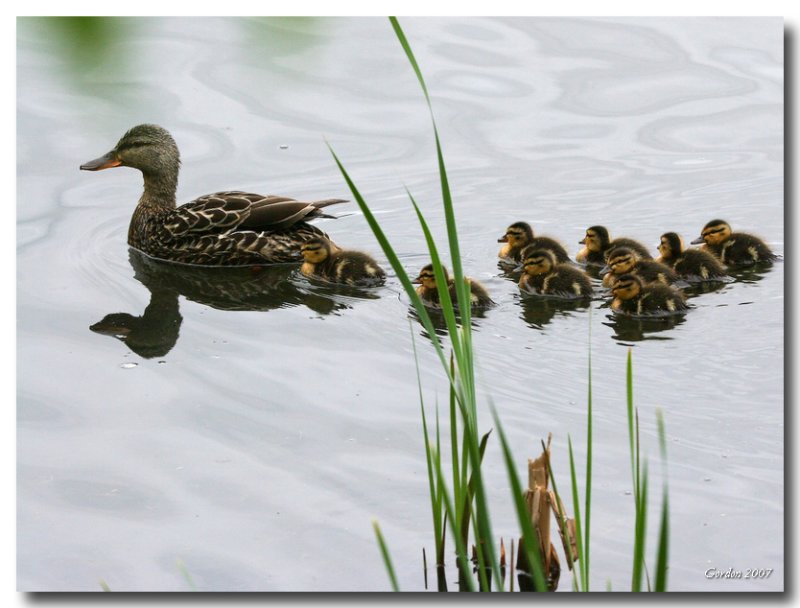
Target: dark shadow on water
{"type": "Point", "coordinates": [539, 311]}
{"type": "Point", "coordinates": [636, 329]}
{"type": "Point", "coordinates": [155, 332]}
{"type": "Point", "coordinates": [752, 274]}
{"type": "Point", "coordinates": [439, 323]}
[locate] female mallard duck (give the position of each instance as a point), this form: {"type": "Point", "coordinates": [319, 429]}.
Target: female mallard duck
{"type": "Point", "coordinates": [222, 229]}
{"type": "Point", "coordinates": [693, 265]}
{"type": "Point", "coordinates": [545, 276]}
{"type": "Point", "coordinates": [597, 243]}
{"type": "Point", "coordinates": [429, 293]}
{"type": "Point", "coordinates": [519, 235]}
{"type": "Point", "coordinates": [342, 266]}
{"type": "Point", "coordinates": [733, 248]}
{"type": "Point", "coordinates": [623, 260]}
{"type": "Point", "coordinates": [633, 297]}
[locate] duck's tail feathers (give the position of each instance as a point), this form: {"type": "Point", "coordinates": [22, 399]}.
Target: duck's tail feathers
{"type": "Point", "coordinates": [328, 201]}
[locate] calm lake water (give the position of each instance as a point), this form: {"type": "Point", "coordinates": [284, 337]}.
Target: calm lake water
{"type": "Point", "coordinates": [251, 428]}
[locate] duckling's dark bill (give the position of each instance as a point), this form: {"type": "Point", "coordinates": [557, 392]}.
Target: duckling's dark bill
{"type": "Point", "coordinates": [104, 162]}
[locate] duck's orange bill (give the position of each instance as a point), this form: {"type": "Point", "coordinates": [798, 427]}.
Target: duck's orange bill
{"type": "Point", "coordinates": [104, 162]}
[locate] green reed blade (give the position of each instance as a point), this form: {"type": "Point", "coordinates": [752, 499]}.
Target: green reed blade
{"type": "Point", "coordinates": [662, 553]}
{"type": "Point", "coordinates": [394, 261]}
{"type": "Point", "coordinates": [185, 573]}
{"type": "Point", "coordinates": [629, 394]}
{"type": "Point", "coordinates": [577, 508]}
{"type": "Point", "coordinates": [441, 286]}
{"type": "Point", "coordinates": [462, 558]}
{"type": "Point", "coordinates": [588, 502]}
{"type": "Point", "coordinates": [435, 497]}
{"type": "Point", "coordinates": [640, 536]}
{"type": "Point", "coordinates": [387, 560]}
{"type": "Point", "coordinates": [530, 538]}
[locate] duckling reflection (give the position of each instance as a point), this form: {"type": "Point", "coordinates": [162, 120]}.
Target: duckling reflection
{"type": "Point", "coordinates": [636, 329]}
{"type": "Point", "coordinates": [156, 331]}
{"type": "Point", "coordinates": [538, 312]}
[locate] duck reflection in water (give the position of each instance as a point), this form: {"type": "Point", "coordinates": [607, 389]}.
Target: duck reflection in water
{"type": "Point", "coordinates": [155, 332]}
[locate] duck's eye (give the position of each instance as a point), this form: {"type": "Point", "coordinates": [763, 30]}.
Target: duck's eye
{"type": "Point", "coordinates": [131, 144]}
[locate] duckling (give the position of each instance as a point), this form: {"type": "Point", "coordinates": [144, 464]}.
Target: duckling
{"type": "Point", "coordinates": [733, 248]}
{"type": "Point", "coordinates": [338, 265]}
{"type": "Point", "coordinates": [429, 293]}
{"type": "Point", "coordinates": [633, 297]}
{"type": "Point", "coordinates": [545, 276]}
{"type": "Point", "coordinates": [519, 235]}
{"type": "Point", "coordinates": [597, 243]}
{"type": "Point", "coordinates": [623, 260]}
{"type": "Point", "coordinates": [693, 265]}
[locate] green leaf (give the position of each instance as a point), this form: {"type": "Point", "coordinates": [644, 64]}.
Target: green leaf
{"type": "Point", "coordinates": [387, 560]}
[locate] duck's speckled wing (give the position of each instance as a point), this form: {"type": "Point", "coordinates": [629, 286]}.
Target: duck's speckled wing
{"type": "Point", "coordinates": [223, 212]}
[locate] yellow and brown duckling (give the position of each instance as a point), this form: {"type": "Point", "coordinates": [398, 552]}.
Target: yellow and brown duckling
{"type": "Point", "coordinates": [543, 275]}
{"type": "Point", "coordinates": [633, 297]}
{"type": "Point", "coordinates": [519, 236]}
{"type": "Point", "coordinates": [624, 260]}
{"type": "Point", "coordinates": [429, 292]}
{"type": "Point", "coordinates": [339, 265]}
{"type": "Point", "coordinates": [733, 248]}
{"type": "Point", "coordinates": [693, 265]}
{"type": "Point", "coordinates": [597, 243]}
{"type": "Point", "coordinates": [229, 228]}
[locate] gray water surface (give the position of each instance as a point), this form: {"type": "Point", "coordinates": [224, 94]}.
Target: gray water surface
{"type": "Point", "coordinates": [257, 424]}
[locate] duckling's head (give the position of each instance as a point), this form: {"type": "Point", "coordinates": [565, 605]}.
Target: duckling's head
{"type": "Point", "coordinates": [538, 261]}
{"type": "Point", "coordinates": [148, 148]}
{"type": "Point", "coordinates": [621, 260]}
{"type": "Point", "coordinates": [671, 245]}
{"type": "Point", "coordinates": [596, 238]}
{"type": "Point", "coordinates": [714, 233]}
{"type": "Point", "coordinates": [316, 250]}
{"type": "Point", "coordinates": [517, 234]}
{"type": "Point", "coordinates": [427, 277]}
{"type": "Point", "coordinates": [626, 287]}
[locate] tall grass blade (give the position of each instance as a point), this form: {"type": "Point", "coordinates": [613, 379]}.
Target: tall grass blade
{"type": "Point", "coordinates": [588, 508]}
{"type": "Point", "coordinates": [577, 507]}
{"type": "Point", "coordinates": [387, 560]}
{"type": "Point", "coordinates": [442, 286]}
{"type": "Point", "coordinates": [640, 536]}
{"type": "Point", "coordinates": [394, 261]}
{"type": "Point", "coordinates": [462, 557]}
{"type": "Point", "coordinates": [629, 394]}
{"type": "Point", "coordinates": [185, 573]}
{"type": "Point", "coordinates": [470, 493]}
{"type": "Point", "coordinates": [662, 553]}
{"type": "Point", "coordinates": [530, 538]}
